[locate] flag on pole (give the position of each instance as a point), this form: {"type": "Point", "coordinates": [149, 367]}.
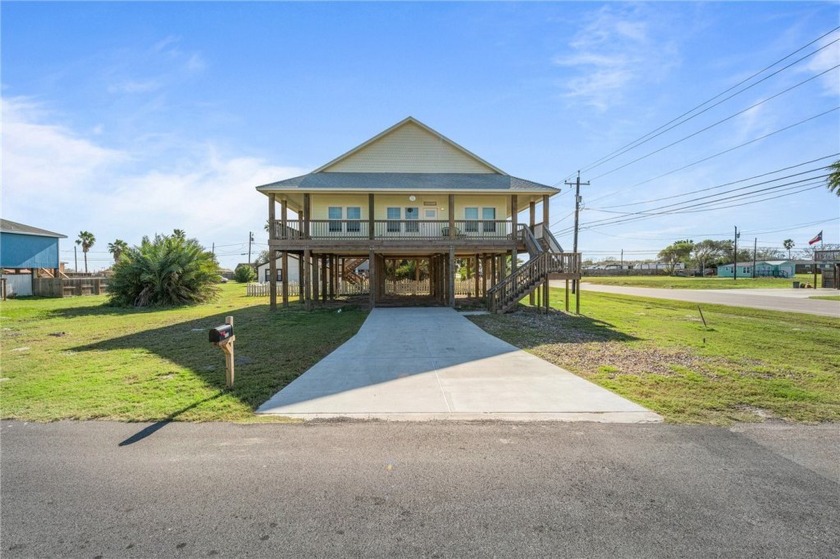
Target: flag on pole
{"type": "Point", "coordinates": [816, 239]}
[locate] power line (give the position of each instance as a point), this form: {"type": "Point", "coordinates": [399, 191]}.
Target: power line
{"type": "Point", "coordinates": [724, 152]}
{"type": "Point", "coordinates": [645, 137]}
{"type": "Point", "coordinates": [730, 117]}
{"type": "Point", "coordinates": [722, 101]}
{"type": "Point", "coordinates": [709, 205]}
{"type": "Point", "coordinates": [709, 198]}
{"type": "Point", "coordinates": [726, 192]}
{"type": "Point", "coordinates": [732, 182]}
{"type": "Point", "coordinates": [794, 227]}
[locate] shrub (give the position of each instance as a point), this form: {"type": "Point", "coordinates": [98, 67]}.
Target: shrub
{"type": "Point", "coordinates": [244, 273]}
{"type": "Point", "coordinates": [170, 270]}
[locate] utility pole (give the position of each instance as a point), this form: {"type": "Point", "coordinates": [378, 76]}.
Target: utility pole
{"type": "Point", "coordinates": [755, 251]}
{"type": "Point", "coordinates": [735, 256]}
{"type": "Point", "coordinates": [577, 184]}
{"type": "Point", "coordinates": [213, 249]}
{"type": "Point", "coordinates": [622, 259]}
{"type": "Point", "coordinates": [250, 240]}
{"type": "Point", "coordinates": [75, 259]}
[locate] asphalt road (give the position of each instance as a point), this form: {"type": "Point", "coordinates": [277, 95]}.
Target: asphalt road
{"type": "Point", "coordinates": [789, 300]}
{"type": "Point", "coordinates": [418, 490]}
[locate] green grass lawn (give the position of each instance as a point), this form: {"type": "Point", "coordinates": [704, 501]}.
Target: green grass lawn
{"type": "Point", "coordinates": [746, 365]}
{"type": "Point", "coordinates": [674, 282]}
{"type": "Point", "coordinates": [826, 297]}
{"type": "Point", "coordinates": [76, 358]}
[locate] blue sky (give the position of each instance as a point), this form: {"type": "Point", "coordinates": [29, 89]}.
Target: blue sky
{"type": "Point", "coordinates": [127, 119]}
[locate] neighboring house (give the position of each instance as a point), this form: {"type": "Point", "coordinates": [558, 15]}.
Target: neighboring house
{"type": "Point", "coordinates": [24, 250]}
{"type": "Point", "coordinates": [658, 266]}
{"type": "Point", "coordinates": [264, 270]}
{"type": "Point", "coordinates": [763, 269]}
{"type": "Point", "coordinates": [411, 193]}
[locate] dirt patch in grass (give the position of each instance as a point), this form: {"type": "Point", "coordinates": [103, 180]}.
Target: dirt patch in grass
{"type": "Point", "coordinates": [549, 335]}
{"type": "Point", "coordinates": [746, 365]}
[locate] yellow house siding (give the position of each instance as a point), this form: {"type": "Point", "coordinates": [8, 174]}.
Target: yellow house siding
{"type": "Point", "coordinates": [321, 204]}
{"type": "Point", "coordinates": [409, 149]}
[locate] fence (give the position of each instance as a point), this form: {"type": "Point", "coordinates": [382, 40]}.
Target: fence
{"type": "Point", "coordinates": [17, 285]}
{"type": "Point", "coordinates": [401, 287]}
{"type": "Point", "coordinates": [617, 272]}
{"type": "Point", "coordinates": [346, 288]}
{"type": "Point", "coordinates": [63, 287]}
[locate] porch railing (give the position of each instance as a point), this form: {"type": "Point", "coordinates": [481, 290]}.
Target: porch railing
{"type": "Point", "coordinates": [505, 294]}
{"type": "Point", "coordinates": [394, 229]}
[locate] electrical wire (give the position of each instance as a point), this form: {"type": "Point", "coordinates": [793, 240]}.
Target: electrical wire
{"type": "Point", "coordinates": [721, 193]}
{"type": "Point", "coordinates": [833, 155]}
{"type": "Point", "coordinates": [719, 122]}
{"type": "Point", "coordinates": [710, 205]}
{"type": "Point", "coordinates": [724, 152]}
{"type": "Point", "coordinates": [650, 135]}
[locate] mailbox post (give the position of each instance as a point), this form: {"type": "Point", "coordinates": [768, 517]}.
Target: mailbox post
{"type": "Point", "coordinates": [223, 338]}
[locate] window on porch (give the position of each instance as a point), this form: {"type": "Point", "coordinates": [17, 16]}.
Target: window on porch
{"type": "Point", "coordinates": [335, 219]}
{"type": "Point", "coordinates": [354, 215]}
{"type": "Point", "coordinates": [471, 215]}
{"type": "Point", "coordinates": [489, 217]}
{"type": "Point", "coordinates": [393, 215]}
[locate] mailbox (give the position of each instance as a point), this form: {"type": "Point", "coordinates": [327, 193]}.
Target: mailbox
{"type": "Point", "coordinates": [221, 333]}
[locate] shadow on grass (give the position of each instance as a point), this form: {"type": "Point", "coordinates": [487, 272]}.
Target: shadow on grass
{"type": "Point", "coordinates": [529, 328]}
{"type": "Point", "coordinates": [157, 426]}
{"type": "Point", "coordinates": [104, 309]}
{"type": "Point", "coordinates": [272, 348]}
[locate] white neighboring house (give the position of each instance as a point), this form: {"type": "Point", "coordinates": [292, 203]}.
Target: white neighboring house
{"type": "Point", "coordinates": [263, 274]}
{"type": "Point", "coordinates": [658, 266]}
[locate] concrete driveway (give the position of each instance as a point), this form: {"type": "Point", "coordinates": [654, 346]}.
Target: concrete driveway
{"type": "Point", "coordinates": [433, 363]}
{"type": "Point", "coordinates": [788, 300]}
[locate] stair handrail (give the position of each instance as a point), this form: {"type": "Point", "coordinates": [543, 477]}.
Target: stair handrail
{"type": "Point", "coordinates": [531, 243]}
{"type": "Point", "coordinates": [514, 286]}
{"type": "Point", "coordinates": [552, 241]}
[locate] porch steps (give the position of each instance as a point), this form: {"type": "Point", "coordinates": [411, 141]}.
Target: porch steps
{"type": "Point", "coordinates": [349, 271]}
{"type": "Point", "coordinates": [505, 295]}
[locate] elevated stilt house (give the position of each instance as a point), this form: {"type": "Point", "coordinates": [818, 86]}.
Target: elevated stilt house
{"type": "Point", "coordinates": [411, 194]}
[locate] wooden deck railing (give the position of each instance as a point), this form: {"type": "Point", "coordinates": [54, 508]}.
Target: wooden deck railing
{"type": "Point", "coordinates": [393, 229]}
{"type": "Point", "coordinates": [507, 292]}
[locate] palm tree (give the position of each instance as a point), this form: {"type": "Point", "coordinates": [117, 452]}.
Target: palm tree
{"type": "Point", "coordinates": [86, 240]}
{"type": "Point", "coordinates": [789, 244]}
{"type": "Point", "coordinates": [179, 234]}
{"type": "Point", "coordinates": [117, 248]}
{"type": "Point", "coordinates": [833, 181]}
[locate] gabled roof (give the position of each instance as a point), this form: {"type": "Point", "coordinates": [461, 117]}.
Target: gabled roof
{"type": "Point", "coordinates": [7, 226]}
{"type": "Point", "coordinates": [414, 182]}
{"type": "Point", "coordinates": [431, 144]}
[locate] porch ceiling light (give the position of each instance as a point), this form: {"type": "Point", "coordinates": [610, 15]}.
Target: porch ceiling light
{"type": "Point", "coordinates": [412, 197]}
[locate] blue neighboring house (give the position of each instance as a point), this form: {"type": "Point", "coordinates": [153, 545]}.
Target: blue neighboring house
{"type": "Point", "coordinates": [763, 269]}
{"type": "Point", "coordinates": [26, 247]}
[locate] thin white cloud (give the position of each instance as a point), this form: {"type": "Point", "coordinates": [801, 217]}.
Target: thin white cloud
{"type": "Point", "coordinates": [132, 86]}
{"type": "Point", "coordinates": [151, 69]}
{"type": "Point", "coordinates": [55, 178]}
{"type": "Point", "coordinates": [618, 48]}
{"type": "Point", "coordinates": [40, 158]}
{"type": "Point", "coordinates": [828, 58]}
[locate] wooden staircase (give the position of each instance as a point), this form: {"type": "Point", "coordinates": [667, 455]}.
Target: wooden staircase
{"type": "Point", "coordinates": [546, 258]}
{"type": "Point", "coordinates": [349, 271]}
